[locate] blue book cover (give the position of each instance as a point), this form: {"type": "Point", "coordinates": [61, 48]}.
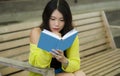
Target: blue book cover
{"type": "Point", "coordinates": [49, 40]}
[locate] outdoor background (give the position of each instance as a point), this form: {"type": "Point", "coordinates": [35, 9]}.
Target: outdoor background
{"type": "Point", "coordinates": [15, 11]}
{"type": "Point", "coordinates": [20, 11]}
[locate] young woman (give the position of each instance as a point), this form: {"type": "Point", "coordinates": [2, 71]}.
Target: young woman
{"type": "Point", "coordinates": [56, 18]}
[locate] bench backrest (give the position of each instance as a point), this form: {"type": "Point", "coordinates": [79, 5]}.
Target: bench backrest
{"type": "Point", "coordinates": [94, 35]}
{"type": "Point", "coordinates": [14, 43]}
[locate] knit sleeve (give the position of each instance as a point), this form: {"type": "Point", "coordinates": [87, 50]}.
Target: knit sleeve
{"type": "Point", "coordinates": [38, 57]}
{"type": "Point", "coordinates": [73, 57]}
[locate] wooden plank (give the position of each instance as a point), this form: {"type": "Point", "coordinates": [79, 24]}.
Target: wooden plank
{"type": "Point", "coordinates": [19, 26]}
{"type": "Point", "coordinates": [105, 68]}
{"type": "Point", "coordinates": [23, 73]}
{"type": "Point", "coordinates": [20, 57]}
{"type": "Point", "coordinates": [96, 60]}
{"type": "Point", "coordinates": [92, 44]}
{"type": "Point", "coordinates": [15, 51]}
{"type": "Point", "coordinates": [93, 50]}
{"type": "Point", "coordinates": [15, 43]}
{"type": "Point", "coordinates": [109, 70]}
{"type": "Point", "coordinates": [0, 74]}
{"type": "Point", "coordinates": [101, 64]}
{"type": "Point", "coordinates": [87, 21]}
{"type": "Point", "coordinates": [97, 68]}
{"type": "Point", "coordinates": [90, 32]}
{"type": "Point", "coordinates": [89, 27]}
{"type": "Point", "coordinates": [7, 70]}
{"type": "Point", "coordinates": [108, 32]}
{"type": "Point", "coordinates": [14, 35]}
{"type": "Point", "coordinates": [91, 38]}
{"type": "Point", "coordinates": [86, 15]}
{"type": "Point", "coordinates": [96, 56]}
{"type": "Point", "coordinates": [114, 72]}
{"type": "Point", "coordinates": [26, 66]}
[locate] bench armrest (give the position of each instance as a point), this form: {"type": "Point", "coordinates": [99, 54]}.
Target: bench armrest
{"type": "Point", "coordinates": [26, 66]}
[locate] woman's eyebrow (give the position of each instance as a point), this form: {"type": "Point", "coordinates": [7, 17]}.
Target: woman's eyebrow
{"type": "Point", "coordinates": [56, 17]}
{"type": "Point", "coordinates": [53, 16]}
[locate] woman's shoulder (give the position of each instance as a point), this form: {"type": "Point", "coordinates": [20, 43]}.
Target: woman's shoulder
{"type": "Point", "coordinates": [36, 30]}
{"type": "Point", "coordinates": [34, 35]}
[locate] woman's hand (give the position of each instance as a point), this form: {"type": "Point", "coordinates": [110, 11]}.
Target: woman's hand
{"type": "Point", "coordinates": [59, 55]}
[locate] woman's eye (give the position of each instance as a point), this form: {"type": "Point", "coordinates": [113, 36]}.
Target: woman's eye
{"type": "Point", "coordinates": [61, 20]}
{"type": "Point", "coordinates": [52, 18]}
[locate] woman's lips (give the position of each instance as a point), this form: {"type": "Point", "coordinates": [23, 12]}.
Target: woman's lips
{"type": "Point", "coordinates": [56, 29]}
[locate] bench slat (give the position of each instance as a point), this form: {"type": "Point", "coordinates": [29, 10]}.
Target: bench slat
{"type": "Point", "coordinates": [89, 27]}
{"type": "Point", "coordinates": [14, 35]}
{"type": "Point", "coordinates": [104, 68]}
{"type": "Point", "coordinates": [91, 38]}
{"type": "Point", "coordinates": [87, 21]}
{"type": "Point", "coordinates": [114, 72]}
{"type": "Point", "coordinates": [8, 70]}
{"type": "Point", "coordinates": [96, 56]}
{"type": "Point", "coordinates": [23, 73]}
{"type": "Point", "coordinates": [109, 70]}
{"type": "Point", "coordinates": [15, 43]}
{"type": "Point", "coordinates": [100, 64]}
{"type": "Point", "coordinates": [96, 60]}
{"type": "Point", "coordinates": [90, 32]}
{"type": "Point", "coordinates": [93, 50]}
{"type": "Point", "coordinates": [19, 26]}
{"type": "Point", "coordinates": [92, 44]}
{"type": "Point", "coordinates": [20, 57]}
{"type": "Point", "coordinates": [26, 66]}
{"type": "Point", "coordinates": [86, 15]}
{"type": "Point", "coordinates": [15, 51]}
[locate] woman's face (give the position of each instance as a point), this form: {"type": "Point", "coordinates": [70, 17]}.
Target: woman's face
{"type": "Point", "coordinates": [56, 21]}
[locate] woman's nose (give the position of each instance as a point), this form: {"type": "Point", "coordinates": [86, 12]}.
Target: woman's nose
{"type": "Point", "coordinates": [56, 22]}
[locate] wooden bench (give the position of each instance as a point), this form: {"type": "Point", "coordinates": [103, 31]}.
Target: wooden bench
{"type": "Point", "coordinates": [99, 55]}
{"type": "Point", "coordinates": [14, 44]}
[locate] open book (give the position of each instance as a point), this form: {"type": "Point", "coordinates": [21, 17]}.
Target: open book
{"type": "Point", "coordinates": [49, 40]}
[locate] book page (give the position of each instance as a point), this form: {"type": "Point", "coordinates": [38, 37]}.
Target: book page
{"type": "Point", "coordinates": [51, 34]}
{"type": "Point", "coordinates": [70, 33]}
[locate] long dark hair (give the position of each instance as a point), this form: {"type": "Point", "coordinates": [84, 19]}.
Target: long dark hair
{"type": "Point", "coordinates": [63, 7]}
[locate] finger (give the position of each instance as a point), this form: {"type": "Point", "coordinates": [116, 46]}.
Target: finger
{"type": "Point", "coordinates": [55, 51]}
{"type": "Point", "coordinates": [56, 55]}
{"type": "Point", "coordinates": [60, 51]}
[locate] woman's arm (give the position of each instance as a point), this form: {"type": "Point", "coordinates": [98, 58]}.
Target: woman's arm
{"type": "Point", "coordinates": [38, 57]}
{"type": "Point", "coordinates": [73, 57]}
{"type": "Point", "coordinates": [34, 35]}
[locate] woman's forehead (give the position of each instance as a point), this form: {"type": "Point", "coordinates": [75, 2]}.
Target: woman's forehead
{"type": "Point", "coordinates": [57, 14]}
